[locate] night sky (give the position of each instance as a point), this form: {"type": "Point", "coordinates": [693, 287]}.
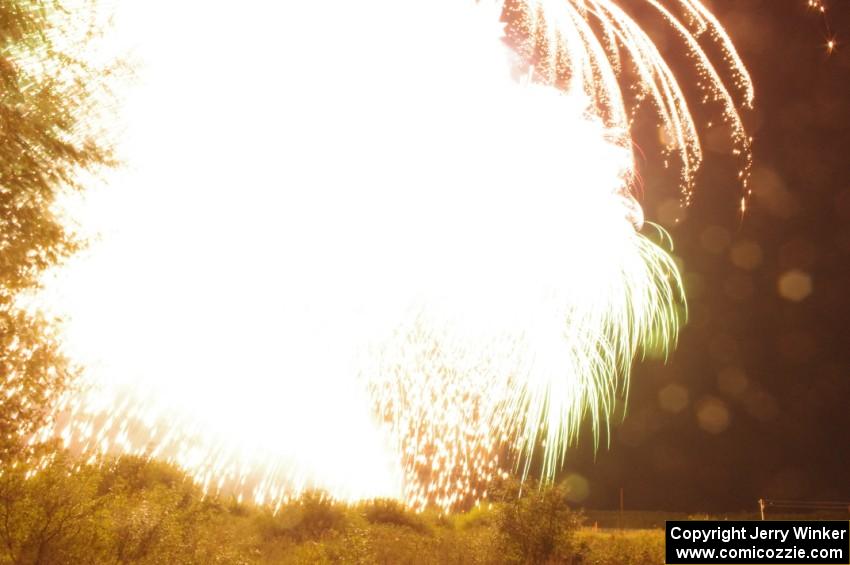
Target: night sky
{"type": "Point", "coordinates": [754, 402]}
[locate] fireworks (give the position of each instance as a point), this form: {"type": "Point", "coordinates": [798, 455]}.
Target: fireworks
{"type": "Point", "coordinates": [819, 7]}
{"type": "Point", "coordinates": [384, 249]}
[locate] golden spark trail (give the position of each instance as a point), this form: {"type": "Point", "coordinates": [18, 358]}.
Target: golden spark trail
{"type": "Point", "coordinates": [381, 248]}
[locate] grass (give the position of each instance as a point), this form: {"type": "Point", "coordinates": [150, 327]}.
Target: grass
{"type": "Point", "coordinates": [626, 547]}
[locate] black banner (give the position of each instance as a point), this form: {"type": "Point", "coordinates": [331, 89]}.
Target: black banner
{"type": "Point", "coordinates": [769, 541]}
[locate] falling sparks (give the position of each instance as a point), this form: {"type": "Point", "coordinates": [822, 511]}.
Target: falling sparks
{"type": "Point", "coordinates": [819, 7]}
{"type": "Point", "coordinates": [392, 250]}
{"type": "Point", "coordinates": [590, 45]}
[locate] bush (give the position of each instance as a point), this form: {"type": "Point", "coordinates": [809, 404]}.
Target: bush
{"type": "Point", "coordinates": [319, 515]}
{"type": "Point", "coordinates": [131, 474]}
{"type": "Point", "coordinates": [52, 514]}
{"type": "Point", "coordinates": [478, 517]}
{"type": "Point", "coordinates": [538, 526]}
{"type": "Point", "coordinates": [389, 511]}
{"type": "Point", "coordinates": [311, 517]}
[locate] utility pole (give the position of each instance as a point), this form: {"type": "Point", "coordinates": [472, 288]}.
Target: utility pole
{"type": "Point", "coordinates": [621, 508]}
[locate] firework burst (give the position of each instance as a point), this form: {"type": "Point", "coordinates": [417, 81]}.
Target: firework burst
{"type": "Point", "coordinates": [393, 257]}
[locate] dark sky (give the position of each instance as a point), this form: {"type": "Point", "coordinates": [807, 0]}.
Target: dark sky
{"type": "Point", "coordinates": [754, 402]}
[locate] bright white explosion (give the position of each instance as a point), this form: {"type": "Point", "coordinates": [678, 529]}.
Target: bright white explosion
{"type": "Point", "coordinates": [365, 247]}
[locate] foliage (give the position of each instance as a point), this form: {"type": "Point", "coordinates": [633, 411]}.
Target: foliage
{"type": "Point", "coordinates": [312, 516]}
{"type": "Point", "coordinates": [536, 525]}
{"type": "Point", "coordinates": [389, 511]}
{"type": "Point", "coordinates": [52, 515]}
{"type": "Point", "coordinates": [132, 475]}
{"type": "Point", "coordinates": [141, 511]}
{"type": "Point", "coordinates": [70, 512]}
{"type": "Point", "coordinates": [32, 374]}
{"type": "Point", "coordinates": [47, 92]}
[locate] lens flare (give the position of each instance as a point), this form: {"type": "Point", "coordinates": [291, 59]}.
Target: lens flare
{"type": "Point", "coordinates": [380, 248]}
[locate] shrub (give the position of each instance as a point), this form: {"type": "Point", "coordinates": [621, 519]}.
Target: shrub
{"type": "Point", "coordinates": [389, 511]}
{"type": "Point", "coordinates": [477, 517]}
{"type": "Point", "coordinates": [309, 518]}
{"type": "Point", "coordinates": [539, 527]}
{"type": "Point", "coordinates": [131, 474]}
{"type": "Point", "coordinates": [51, 514]}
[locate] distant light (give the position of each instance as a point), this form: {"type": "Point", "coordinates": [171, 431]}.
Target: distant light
{"type": "Point", "coordinates": [673, 398]}
{"type": "Point", "coordinates": [713, 415]}
{"type": "Point", "coordinates": [577, 487]}
{"type": "Point", "coordinates": [795, 285]}
{"type": "Point", "coordinates": [732, 381]}
{"type": "Point", "coordinates": [746, 255]}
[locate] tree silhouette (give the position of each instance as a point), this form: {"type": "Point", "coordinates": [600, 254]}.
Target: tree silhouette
{"type": "Point", "coordinates": [47, 93]}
